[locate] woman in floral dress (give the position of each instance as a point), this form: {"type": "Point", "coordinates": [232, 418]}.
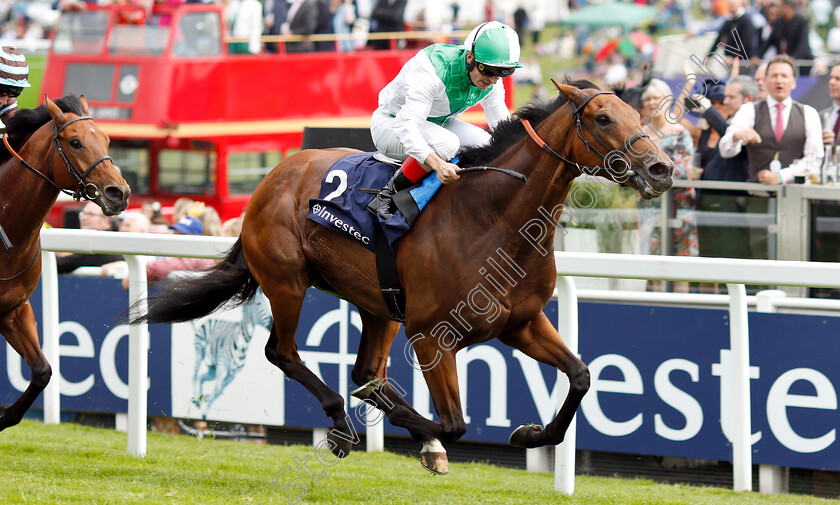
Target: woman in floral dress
{"type": "Point", "coordinates": [676, 142]}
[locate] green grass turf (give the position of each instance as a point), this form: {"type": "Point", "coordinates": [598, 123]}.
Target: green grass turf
{"type": "Point", "coordinates": [72, 464]}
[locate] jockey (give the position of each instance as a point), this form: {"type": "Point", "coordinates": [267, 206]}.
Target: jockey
{"type": "Point", "coordinates": [14, 72]}
{"type": "Point", "coordinates": [416, 118]}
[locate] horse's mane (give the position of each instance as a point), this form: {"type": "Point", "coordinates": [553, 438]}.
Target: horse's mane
{"type": "Point", "coordinates": [510, 130]}
{"type": "Point", "coordinates": [25, 122]}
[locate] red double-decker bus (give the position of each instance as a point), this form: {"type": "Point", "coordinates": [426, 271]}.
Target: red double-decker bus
{"type": "Point", "coordinates": [188, 118]}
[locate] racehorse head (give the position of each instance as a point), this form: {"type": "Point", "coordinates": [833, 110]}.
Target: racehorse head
{"type": "Point", "coordinates": [82, 148]}
{"type": "Point", "coordinates": [606, 139]}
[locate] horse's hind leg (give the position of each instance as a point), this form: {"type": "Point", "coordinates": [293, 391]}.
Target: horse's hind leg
{"type": "Point", "coordinates": [281, 350]}
{"type": "Point", "coordinates": [539, 340]}
{"type": "Point", "coordinates": [20, 330]}
{"type": "Point", "coordinates": [370, 372]}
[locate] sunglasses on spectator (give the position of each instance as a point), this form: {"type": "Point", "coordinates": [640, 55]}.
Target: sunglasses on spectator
{"type": "Point", "coordinates": [488, 71]}
{"type": "Point", "coordinates": [13, 92]}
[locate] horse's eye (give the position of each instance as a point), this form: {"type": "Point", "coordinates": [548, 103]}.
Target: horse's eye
{"type": "Point", "coordinates": [602, 120]}
{"type": "Point", "coordinates": [75, 144]}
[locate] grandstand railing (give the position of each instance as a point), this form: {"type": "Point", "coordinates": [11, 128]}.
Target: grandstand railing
{"type": "Point", "coordinates": [734, 272]}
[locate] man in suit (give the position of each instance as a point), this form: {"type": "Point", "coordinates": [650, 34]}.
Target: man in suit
{"type": "Point", "coordinates": [825, 245]}
{"type": "Point", "coordinates": [302, 19]}
{"type": "Point", "coordinates": [830, 116]}
{"type": "Point", "coordinates": [740, 25]}
{"type": "Point", "coordinates": [781, 137]}
{"type": "Point", "coordinates": [790, 35]}
{"type": "Point", "coordinates": [275, 15]}
{"type": "Point", "coordinates": [776, 129]}
{"type": "Point", "coordinates": [387, 16]}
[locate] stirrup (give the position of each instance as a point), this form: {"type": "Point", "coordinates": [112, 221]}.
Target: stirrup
{"type": "Point", "coordinates": [382, 204]}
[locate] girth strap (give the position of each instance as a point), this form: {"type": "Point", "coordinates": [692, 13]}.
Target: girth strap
{"type": "Point", "coordinates": [389, 280]}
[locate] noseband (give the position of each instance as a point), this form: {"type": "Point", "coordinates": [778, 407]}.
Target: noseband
{"type": "Point", "coordinates": [85, 190]}
{"type": "Point", "coordinates": [578, 122]}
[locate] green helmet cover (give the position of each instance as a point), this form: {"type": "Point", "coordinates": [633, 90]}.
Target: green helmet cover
{"type": "Point", "coordinates": [494, 44]}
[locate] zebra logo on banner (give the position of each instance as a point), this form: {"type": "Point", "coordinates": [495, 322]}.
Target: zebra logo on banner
{"type": "Point", "coordinates": [218, 375]}
{"type": "Point", "coordinates": [221, 347]}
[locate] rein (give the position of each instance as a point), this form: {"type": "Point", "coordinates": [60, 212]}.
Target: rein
{"type": "Point", "coordinates": [34, 259]}
{"type": "Point", "coordinates": [512, 173]}
{"type": "Point", "coordinates": [578, 122]}
{"type": "Point", "coordinates": [85, 190]}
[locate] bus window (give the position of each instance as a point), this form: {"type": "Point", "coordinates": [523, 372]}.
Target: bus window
{"type": "Point", "coordinates": [247, 169]}
{"type": "Point", "coordinates": [132, 156]}
{"type": "Point", "coordinates": [188, 172]}
{"type": "Point", "coordinates": [80, 32]}
{"type": "Point", "coordinates": [198, 34]}
{"type": "Point", "coordinates": [145, 40]}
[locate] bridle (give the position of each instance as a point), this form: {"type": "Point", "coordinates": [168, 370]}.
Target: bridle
{"type": "Point", "coordinates": [86, 190]}
{"type": "Point", "coordinates": [578, 121]}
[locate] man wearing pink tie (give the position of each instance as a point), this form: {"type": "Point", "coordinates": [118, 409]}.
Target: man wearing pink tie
{"type": "Point", "coordinates": [777, 132]}
{"type": "Point", "coordinates": [782, 137]}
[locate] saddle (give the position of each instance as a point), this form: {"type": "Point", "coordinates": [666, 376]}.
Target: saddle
{"type": "Point", "coordinates": [346, 189]}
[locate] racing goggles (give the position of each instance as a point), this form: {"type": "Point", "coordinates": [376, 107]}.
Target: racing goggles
{"type": "Point", "coordinates": [488, 71]}
{"type": "Point", "coordinates": [12, 91]}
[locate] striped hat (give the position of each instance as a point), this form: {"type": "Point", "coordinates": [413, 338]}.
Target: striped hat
{"type": "Point", "coordinates": [14, 71]}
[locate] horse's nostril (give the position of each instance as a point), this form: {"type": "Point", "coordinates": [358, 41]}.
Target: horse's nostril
{"type": "Point", "coordinates": [114, 193]}
{"type": "Point", "coordinates": [658, 170]}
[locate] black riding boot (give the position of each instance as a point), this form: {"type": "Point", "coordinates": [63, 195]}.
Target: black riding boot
{"type": "Point", "coordinates": [383, 203]}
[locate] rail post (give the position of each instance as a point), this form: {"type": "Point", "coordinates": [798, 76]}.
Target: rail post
{"type": "Point", "coordinates": [138, 357]}
{"type": "Point", "coordinates": [567, 326]}
{"type": "Point", "coordinates": [739, 343]}
{"type": "Point", "coordinates": [49, 328]}
{"type": "Point", "coordinates": [772, 479]}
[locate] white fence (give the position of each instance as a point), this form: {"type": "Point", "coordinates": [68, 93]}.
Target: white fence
{"type": "Point", "coordinates": [734, 272]}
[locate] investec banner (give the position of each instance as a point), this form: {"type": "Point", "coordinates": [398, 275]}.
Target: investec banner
{"type": "Point", "coordinates": [661, 380]}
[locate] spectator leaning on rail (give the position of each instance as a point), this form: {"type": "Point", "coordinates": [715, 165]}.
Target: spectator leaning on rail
{"type": "Point", "coordinates": [14, 75]}
{"type": "Point", "coordinates": [776, 128]}
{"type": "Point", "coordinates": [726, 241]}
{"type": "Point", "coordinates": [161, 267]}
{"type": "Point", "coordinates": [90, 218]}
{"type": "Point", "coordinates": [781, 137]}
{"type": "Point", "coordinates": [416, 120]}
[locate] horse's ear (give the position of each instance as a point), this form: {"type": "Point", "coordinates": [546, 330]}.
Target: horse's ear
{"type": "Point", "coordinates": [571, 92]}
{"type": "Point", "coordinates": [55, 112]}
{"type": "Point", "coordinates": [84, 105]}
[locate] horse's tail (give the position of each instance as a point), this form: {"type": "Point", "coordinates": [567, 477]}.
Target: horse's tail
{"type": "Point", "coordinates": [228, 284]}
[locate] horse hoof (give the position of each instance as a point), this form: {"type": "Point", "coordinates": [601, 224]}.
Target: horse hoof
{"type": "Point", "coordinates": [433, 457]}
{"type": "Point", "coordinates": [435, 462]}
{"type": "Point", "coordinates": [341, 447]}
{"type": "Point", "coordinates": [364, 392]}
{"type": "Point", "coordinates": [523, 436]}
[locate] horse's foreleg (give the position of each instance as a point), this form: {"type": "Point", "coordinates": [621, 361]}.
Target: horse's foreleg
{"type": "Point", "coordinates": [539, 340]}
{"type": "Point", "coordinates": [20, 330]}
{"type": "Point", "coordinates": [370, 372]}
{"type": "Point", "coordinates": [281, 350]}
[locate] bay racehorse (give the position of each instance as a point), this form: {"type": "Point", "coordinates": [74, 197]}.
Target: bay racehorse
{"type": "Point", "coordinates": [52, 148]}
{"type": "Point", "coordinates": [442, 263]}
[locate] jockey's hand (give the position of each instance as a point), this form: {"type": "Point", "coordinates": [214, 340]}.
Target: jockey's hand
{"type": "Point", "coordinates": [446, 172]}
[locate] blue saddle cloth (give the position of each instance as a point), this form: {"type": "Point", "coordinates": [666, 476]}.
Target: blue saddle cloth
{"type": "Point", "coordinates": [341, 206]}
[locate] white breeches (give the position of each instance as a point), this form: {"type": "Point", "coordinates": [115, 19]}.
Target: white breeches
{"type": "Point", "coordinates": [444, 140]}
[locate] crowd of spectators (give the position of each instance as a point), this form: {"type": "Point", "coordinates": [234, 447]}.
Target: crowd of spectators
{"type": "Point", "coordinates": [189, 217]}
{"type": "Point", "coordinates": [744, 126]}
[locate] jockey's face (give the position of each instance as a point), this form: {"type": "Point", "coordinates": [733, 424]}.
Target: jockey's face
{"type": "Point", "coordinates": [478, 79]}
{"type": "Point", "coordinates": [8, 95]}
